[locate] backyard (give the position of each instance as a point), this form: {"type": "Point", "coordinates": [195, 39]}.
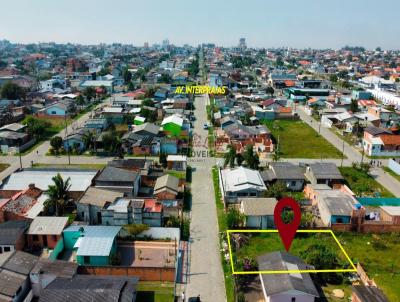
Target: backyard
{"type": "Point", "coordinates": [155, 292]}
{"type": "Point", "coordinates": [363, 184]}
{"type": "Point", "coordinates": [298, 140]}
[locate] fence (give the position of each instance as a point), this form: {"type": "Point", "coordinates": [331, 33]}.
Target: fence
{"type": "Point", "coordinates": [378, 201]}
{"type": "Point", "coordinates": [144, 273]}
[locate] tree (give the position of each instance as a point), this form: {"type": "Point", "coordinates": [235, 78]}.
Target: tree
{"type": "Point", "coordinates": [165, 78]}
{"type": "Point", "coordinates": [234, 218]}
{"type": "Point", "coordinates": [276, 155]}
{"type": "Point", "coordinates": [251, 158]}
{"type": "Point", "coordinates": [112, 142]}
{"type": "Point", "coordinates": [89, 93]}
{"type": "Point", "coordinates": [57, 194]}
{"type": "Point", "coordinates": [89, 139]}
{"type": "Point", "coordinates": [80, 100]}
{"type": "Point", "coordinates": [135, 229]}
{"type": "Point", "coordinates": [163, 159]}
{"type": "Point", "coordinates": [354, 105]}
{"type": "Point", "coordinates": [127, 76]}
{"type": "Point", "coordinates": [333, 78]}
{"type": "Point", "coordinates": [270, 90]}
{"type": "Point", "coordinates": [230, 156]}
{"type": "Point", "coordinates": [322, 256]}
{"type": "Point", "coordinates": [239, 159]}
{"type": "Point", "coordinates": [36, 127]}
{"type": "Point", "coordinates": [56, 143]}
{"type": "Point", "coordinates": [12, 91]}
{"type": "Point", "coordinates": [276, 190]}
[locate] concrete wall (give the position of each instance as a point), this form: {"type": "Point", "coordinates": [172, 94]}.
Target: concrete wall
{"type": "Point", "coordinates": [394, 166]}
{"type": "Point", "coordinates": [144, 273]}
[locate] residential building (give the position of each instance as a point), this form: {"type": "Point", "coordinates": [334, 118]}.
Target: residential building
{"type": "Point", "coordinates": [90, 205]}
{"type": "Point", "coordinates": [14, 275]}
{"type": "Point", "coordinates": [25, 204]}
{"type": "Point", "coordinates": [240, 182]}
{"type": "Point", "coordinates": [177, 162]}
{"type": "Point", "coordinates": [91, 245]}
{"type": "Point", "coordinates": [91, 288]}
{"type": "Point", "coordinates": [291, 287]}
{"type": "Point", "coordinates": [46, 271]}
{"type": "Point", "coordinates": [287, 173]}
{"type": "Point", "coordinates": [80, 180]}
{"type": "Point", "coordinates": [119, 180]}
{"type": "Point", "coordinates": [127, 211]}
{"type": "Point", "coordinates": [45, 232]}
{"type": "Point", "coordinates": [167, 187]}
{"type": "Point", "coordinates": [258, 212]}
{"type": "Point", "coordinates": [12, 235]}
{"type": "Point", "coordinates": [324, 173]}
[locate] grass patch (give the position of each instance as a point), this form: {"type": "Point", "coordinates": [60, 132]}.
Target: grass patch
{"type": "Point", "coordinates": [391, 172]}
{"type": "Point", "coordinates": [222, 224]}
{"type": "Point", "coordinates": [3, 167]}
{"type": "Point", "coordinates": [178, 174]}
{"type": "Point", "coordinates": [72, 166]}
{"type": "Point", "coordinates": [262, 243]}
{"type": "Point", "coordinates": [378, 254]}
{"type": "Point", "coordinates": [299, 140]}
{"type": "Point", "coordinates": [363, 184]}
{"type": "Point", "coordinates": [155, 292]}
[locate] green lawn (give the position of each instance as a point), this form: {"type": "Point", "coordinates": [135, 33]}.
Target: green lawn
{"type": "Point", "coordinates": [379, 255]}
{"type": "Point", "coordinates": [298, 140]}
{"type": "Point", "coordinates": [155, 292]}
{"type": "Point", "coordinates": [362, 183]}
{"type": "Point", "coordinates": [3, 167]}
{"type": "Point", "coordinates": [228, 277]}
{"type": "Point", "coordinates": [261, 243]}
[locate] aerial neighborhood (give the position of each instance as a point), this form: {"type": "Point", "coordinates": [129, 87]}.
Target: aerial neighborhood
{"type": "Point", "coordinates": [117, 185]}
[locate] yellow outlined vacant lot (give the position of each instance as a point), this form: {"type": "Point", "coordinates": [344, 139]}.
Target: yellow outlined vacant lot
{"type": "Point", "coordinates": [353, 269]}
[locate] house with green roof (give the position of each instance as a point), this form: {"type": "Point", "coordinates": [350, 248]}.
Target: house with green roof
{"type": "Point", "coordinates": [173, 125]}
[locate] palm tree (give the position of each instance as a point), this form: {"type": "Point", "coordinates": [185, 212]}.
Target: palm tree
{"type": "Point", "coordinates": [89, 138]}
{"type": "Point", "coordinates": [230, 156]}
{"type": "Point", "coordinates": [57, 194]}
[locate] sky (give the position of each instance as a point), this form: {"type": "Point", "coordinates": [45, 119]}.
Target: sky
{"type": "Point", "coordinates": [264, 23]}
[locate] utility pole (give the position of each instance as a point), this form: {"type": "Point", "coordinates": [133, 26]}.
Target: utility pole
{"type": "Point", "coordinates": [66, 137]}
{"type": "Point", "coordinates": [362, 155]}
{"type": "Point", "coordinates": [20, 157]}
{"type": "Point", "coordinates": [341, 163]}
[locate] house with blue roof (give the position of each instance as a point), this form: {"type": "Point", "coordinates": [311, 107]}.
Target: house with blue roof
{"type": "Point", "coordinates": [91, 244]}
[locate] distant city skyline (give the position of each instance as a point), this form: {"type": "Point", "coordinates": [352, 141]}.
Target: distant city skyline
{"type": "Point", "coordinates": [297, 24]}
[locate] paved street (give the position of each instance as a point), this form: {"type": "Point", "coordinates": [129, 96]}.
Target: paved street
{"type": "Point", "coordinates": [38, 155]}
{"type": "Point", "coordinates": [206, 275]}
{"type": "Point", "coordinates": [352, 154]}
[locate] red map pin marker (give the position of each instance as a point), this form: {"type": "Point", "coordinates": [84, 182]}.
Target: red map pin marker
{"type": "Point", "coordinates": [287, 231]}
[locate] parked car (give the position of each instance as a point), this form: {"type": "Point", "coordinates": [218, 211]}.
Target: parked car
{"type": "Point", "coordinates": [205, 126]}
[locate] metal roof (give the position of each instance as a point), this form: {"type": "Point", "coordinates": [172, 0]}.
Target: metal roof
{"type": "Point", "coordinates": [242, 178]}
{"type": "Point", "coordinates": [80, 180]}
{"type": "Point", "coordinates": [96, 240]}
{"type": "Point", "coordinates": [281, 283]}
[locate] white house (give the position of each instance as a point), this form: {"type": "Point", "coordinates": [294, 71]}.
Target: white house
{"type": "Point", "coordinates": [240, 182]}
